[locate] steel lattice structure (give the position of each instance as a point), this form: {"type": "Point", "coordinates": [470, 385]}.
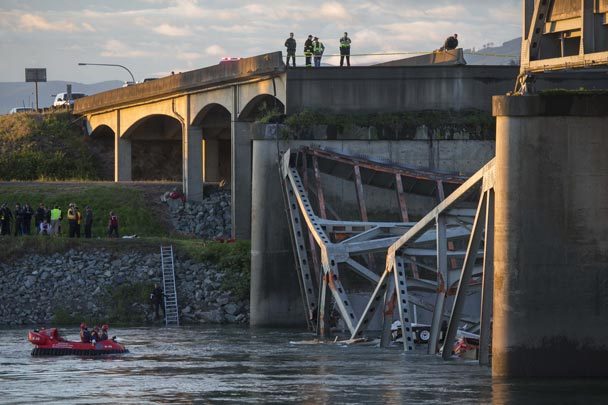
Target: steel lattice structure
{"type": "Point", "coordinates": [438, 255]}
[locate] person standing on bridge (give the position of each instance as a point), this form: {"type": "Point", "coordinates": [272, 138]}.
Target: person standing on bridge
{"type": "Point", "coordinates": [345, 49]}
{"type": "Point", "coordinates": [450, 43]}
{"type": "Point", "coordinates": [317, 49]}
{"type": "Point", "coordinates": [308, 51]}
{"type": "Point", "coordinates": [290, 44]}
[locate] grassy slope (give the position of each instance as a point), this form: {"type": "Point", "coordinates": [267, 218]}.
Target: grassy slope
{"type": "Point", "coordinates": [133, 210]}
{"type": "Point", "coordinates": [44, 146]}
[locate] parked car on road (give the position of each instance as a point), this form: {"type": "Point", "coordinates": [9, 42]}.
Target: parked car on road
{"type": "Point", "coordinates": [16, 110]}
{"type": "Point", "coordinates": [61, 99]}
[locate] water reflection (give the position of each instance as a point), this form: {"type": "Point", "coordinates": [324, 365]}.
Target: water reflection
{"type": "Point", "coordinates": [230, 364]}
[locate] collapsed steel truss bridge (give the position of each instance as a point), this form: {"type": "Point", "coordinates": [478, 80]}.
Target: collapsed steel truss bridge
{"type": "Point", "coordinates": [399, 267]}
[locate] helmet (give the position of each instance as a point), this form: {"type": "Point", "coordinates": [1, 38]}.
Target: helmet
{"type": "Point", "coordinates": [105, 327]}
{"type": "Point", "coordinates": [396, 325]}
{"type": "Point", "coordinates": [83, 325]}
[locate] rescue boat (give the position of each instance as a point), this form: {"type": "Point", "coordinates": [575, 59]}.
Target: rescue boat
{"type": "Point", "coordinates": [48, 342]}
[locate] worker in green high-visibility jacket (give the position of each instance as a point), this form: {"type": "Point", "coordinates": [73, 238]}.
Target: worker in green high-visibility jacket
{"type": "Point", "coordinates": [317, 49]}
{"type": "Point", "coordinates": [55, 220]}
{"type": "Point", "coordinates": [345, 49]}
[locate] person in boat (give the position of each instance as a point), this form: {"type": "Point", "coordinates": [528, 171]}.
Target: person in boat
{"type": "Point", "coordinates": [95, 334]}
{"type": "Point", "coordinates": [104, 333]}
{"type": "Point", "coordinates": [85, 335]}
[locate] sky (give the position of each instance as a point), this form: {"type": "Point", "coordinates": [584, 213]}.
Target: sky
{"type": "Point", "coordinates": [154, 37]}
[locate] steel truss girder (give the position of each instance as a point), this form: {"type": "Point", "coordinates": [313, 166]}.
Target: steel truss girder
{"type": "Point", "coordinates": [402, 243]}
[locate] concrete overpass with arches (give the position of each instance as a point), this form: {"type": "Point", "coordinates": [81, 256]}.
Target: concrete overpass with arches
{"type": "Point", "coordinates": [199, 118]}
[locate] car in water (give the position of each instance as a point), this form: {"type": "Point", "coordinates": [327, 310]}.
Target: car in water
{"type": "Point", "coordinates": [62, 99]}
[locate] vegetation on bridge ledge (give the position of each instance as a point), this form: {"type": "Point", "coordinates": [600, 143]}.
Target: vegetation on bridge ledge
{"type": "Point", "coordinates": [479, 125]}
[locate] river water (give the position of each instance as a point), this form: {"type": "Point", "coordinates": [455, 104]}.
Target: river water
{"type": "Point", "coordinates": [226, 364]}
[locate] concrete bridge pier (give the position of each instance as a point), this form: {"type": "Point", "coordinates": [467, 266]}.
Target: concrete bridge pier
{"type": "Point", "coordinates": [122, 154]}
{"type": "Point", "coordinates": [275, 292]}
{"type": "Point", "coordinates": [241, 169]}
{"type": "Point", "coordinates": [551, 236]}
{"type": "Point", "coordinates": [192, 147]}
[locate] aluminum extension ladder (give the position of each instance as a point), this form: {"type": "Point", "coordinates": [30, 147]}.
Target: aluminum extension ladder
{"type": "Point", "coordinates": [171, 308]}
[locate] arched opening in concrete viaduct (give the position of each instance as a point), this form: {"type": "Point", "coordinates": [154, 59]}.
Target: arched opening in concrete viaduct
{"type": "Point", "coordinates": [101, 143]}
{"type": "Point", "coordinates": [215, 122]}
{"type": "Point", "coordinates": [156, 148]}
{"type": "Point", "coordinates": [261, 106]}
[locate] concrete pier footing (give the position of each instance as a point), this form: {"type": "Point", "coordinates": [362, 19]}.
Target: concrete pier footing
{"type": "Point", "coordinates": [551, 236]}
{"type": "Point", "coordinates": [275, 293]}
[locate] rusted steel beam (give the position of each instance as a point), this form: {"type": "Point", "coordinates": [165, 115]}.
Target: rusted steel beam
{"type": "Point", "coordinates": [360, 195]}
{"type": "Point", "coordinates": [401, 198]}
{"type": "Point", "coordinates": [321, 198]}
{"type": "Point", "coordinates": [379, 167]}
{"type": "Point", "coordinates": [314, 251]}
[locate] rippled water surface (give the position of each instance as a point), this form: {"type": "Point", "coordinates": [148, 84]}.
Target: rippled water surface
{"type": "Point", "coordinates": [235, 365]}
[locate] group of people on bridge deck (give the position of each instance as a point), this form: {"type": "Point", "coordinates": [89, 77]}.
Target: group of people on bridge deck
{"type": "Point", "coordinates": [97, 335]}
{"type": "Point", "coordinates": [313, 48]}
{"type": "Point", "coordinates": [48, 221]}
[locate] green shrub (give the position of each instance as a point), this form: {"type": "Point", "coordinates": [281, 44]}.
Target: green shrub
{"type": "Point", "coordinates": [124, 303]}
{"type": "Point", "coordinates": [48, 146]}
{"type": "Point", "coordinates": [233, 259]}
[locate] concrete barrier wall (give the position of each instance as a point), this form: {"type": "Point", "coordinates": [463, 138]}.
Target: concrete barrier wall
{"type": "Point", "coordinates": [413, 88]}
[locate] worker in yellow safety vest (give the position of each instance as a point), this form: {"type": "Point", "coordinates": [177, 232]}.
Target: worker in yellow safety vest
{"type": "Point", "coordinates": [345, 49]}
{"type": "Point", "coordinates": [72, 220]}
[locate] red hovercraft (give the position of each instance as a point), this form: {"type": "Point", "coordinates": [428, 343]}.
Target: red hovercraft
{"type": "Point", "coordinates": [48, 342]}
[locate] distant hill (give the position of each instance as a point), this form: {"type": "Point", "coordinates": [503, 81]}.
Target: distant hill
{"type": "Point", "coordinates": [23, 94]}
{"type": "Point", "coordinates": [495, 55]}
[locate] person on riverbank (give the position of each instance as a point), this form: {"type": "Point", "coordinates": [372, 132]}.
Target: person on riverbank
{"type": "Point", "coordinates": [28, 212]}
{"type": "Point", "coordinates": [156, 299]}
{"type": "Point", "coordinates": [55, 220]}
{"type": "Point", "coordinates": [72, 220]}
{"type": "Point", "coordinates": [88, 221]}
{"type": "Point", "coordinates": [39, 215]}
{"type": "Point", "coordinates": [6, 217]}
{"type": "Point", "coordinates": [78, 220]}
{"type": "Point", "coordinates": [44, 228]}
{"type": "Point", "coordinates": [113, 225]}
{"type": "Point", "coordinates": [18, 220]}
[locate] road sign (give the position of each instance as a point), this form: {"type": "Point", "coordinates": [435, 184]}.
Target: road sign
{"type": "Point", "coordinates": [35, 74]}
